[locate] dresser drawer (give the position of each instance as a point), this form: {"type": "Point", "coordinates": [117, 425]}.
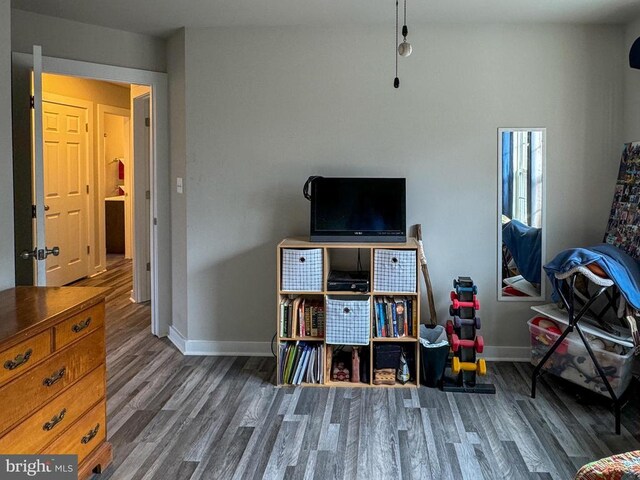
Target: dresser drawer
{"type": "Point", "coordinates": [35, 387]}
{"type": "Point", "coordinates": [21, 357]}
{"type": "Point", "coordinates": [79, 325]}
{"type": "Point", "coordinates": [83, 436]}
{"type": "Point", "coordinates": [44, 425]}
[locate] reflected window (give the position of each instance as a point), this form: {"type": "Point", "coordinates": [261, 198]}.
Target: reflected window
{"type": "Point", "coordinates": [521, 158]}
{"type": "Point", "coordinates": [522, 177]}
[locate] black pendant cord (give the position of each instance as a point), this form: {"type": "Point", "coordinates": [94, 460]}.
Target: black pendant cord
{"type": "Point", "coordinates": [396, 81]}
{"type": "Point", "coordinates": [405, 30]}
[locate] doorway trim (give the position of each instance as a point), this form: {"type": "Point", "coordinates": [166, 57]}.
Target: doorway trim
{"type": "Point", "coordinates": [160, 237]}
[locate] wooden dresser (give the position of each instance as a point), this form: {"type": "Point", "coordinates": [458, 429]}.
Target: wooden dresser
{"type": "Point", "coordinates": [53, 374]}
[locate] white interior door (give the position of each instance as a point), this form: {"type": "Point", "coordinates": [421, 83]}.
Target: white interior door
{"type": "Point", "coordinates": [65, 135]}
{"type": "Point", "coordinates": [39, 253]}
{"type": "Point", "coordinates": [142, 202]}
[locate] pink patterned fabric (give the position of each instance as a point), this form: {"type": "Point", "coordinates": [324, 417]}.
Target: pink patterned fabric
{"type": "Point", "coordinates": [625, 466]}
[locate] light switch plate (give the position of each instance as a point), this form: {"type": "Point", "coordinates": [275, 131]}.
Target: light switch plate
{"type": "Point", "coordinates": [179, 184]}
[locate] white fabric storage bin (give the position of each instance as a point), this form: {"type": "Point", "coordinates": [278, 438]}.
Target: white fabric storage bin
{"type": "Point", "coordinates": [394, 271]}
{"type": "Point", "coordinates": [348, 320]}
{"type": "Point", "coordinates": [572, 362]}
{"type": "Point", "coordinates": [302, 270]}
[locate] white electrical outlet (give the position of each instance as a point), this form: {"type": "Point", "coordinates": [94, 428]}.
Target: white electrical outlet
{"type": "Point", "coordinates": [179, 184]}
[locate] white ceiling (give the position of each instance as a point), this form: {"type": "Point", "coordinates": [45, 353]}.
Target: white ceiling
{"type": "Point", "coordinates": [161, 17]}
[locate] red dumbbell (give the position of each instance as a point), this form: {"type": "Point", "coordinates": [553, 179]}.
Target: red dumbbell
{"type": "Point", "coordinates": [478, 343]}
{"type": "Point", "coordinates": [449, 327]}
{"type": "Point", "coordinates": [469, 322]}
{"type": "Point", "coordinates": [475, 304]}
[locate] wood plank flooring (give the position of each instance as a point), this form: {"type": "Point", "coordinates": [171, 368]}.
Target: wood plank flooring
{"type": "Point", "coordinates": [176, 417]}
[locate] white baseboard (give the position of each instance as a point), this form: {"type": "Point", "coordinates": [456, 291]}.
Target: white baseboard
{"type": "Point", "coordinates": [506, 354]}
{"type": "Point", "coordinates": [177, 339]}
{"type": "Point", "coordinates": [217, 348]}
{"type": "Point", "coordinates": [263, 349]}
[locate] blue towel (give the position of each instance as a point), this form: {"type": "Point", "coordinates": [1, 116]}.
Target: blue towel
{"type": "Point", "coordinates": [525, 245]}
{"type": "Point", "coordinates": [622, 269]}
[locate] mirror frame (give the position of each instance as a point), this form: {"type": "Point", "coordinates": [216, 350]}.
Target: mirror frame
{"type": "Point", "coordinates": [543, 246]}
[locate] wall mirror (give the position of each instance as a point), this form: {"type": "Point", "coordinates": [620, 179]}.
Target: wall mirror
{"type": "Point", "coordinates": [521, 213]}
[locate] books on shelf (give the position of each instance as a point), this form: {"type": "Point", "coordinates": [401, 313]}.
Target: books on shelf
{"type": "Point", "coordinates": [301, 317]}
{"type": "Point", "coordinates": [301, 362]}
{"type": "Point", "coordinates": [395, 317]}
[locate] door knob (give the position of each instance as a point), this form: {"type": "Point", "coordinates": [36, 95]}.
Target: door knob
{"type": "Point", "coordinates": [26, 254]}
{"type": "Point", "coordinates": [40, 254]}
{"type": "Point", "coordinates": [46, 208]}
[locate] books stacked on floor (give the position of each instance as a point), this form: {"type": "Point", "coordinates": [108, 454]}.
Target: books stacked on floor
{"type": "Point", "coordinates": [301, 317]}
{"type": "Point", "coordinates": [301, 362]}
{"type": "Point", "coordinates": [395, 317]}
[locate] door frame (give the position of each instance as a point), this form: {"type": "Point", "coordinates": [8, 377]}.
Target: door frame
{"type": "Point", "coordinates": [128, 224]}
{"type": "Point", "coordinates": [159, 169]}
{"type": "Point", "coordinates": [89, 199]}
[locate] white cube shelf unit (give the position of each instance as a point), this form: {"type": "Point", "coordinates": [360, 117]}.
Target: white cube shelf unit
{"type": "Point", "coordinates": [298, 256]}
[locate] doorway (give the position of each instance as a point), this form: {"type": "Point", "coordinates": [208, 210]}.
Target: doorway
{"type": "Point", "coordinates": [88, 127]}
{"type": "Point", "coordinates": [155, 199]}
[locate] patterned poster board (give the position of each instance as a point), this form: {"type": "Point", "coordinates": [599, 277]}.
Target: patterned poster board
{"type": "Point", "coordinates": [624, 219]}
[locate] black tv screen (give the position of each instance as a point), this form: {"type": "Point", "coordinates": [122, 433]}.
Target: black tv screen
{"type": "Point", "coordinates": [358, 209]}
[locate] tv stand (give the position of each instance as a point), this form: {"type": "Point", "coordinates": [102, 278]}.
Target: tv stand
{"type": "Point", "coordinates": [340, 250]}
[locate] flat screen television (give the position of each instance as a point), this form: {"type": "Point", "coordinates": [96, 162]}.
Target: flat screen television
{"type": "Point", "coordinates": [358, 210]}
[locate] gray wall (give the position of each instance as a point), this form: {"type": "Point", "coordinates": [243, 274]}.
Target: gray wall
{"type": "Point", "coordinates": [632, 88]}
{"type": "Point", "coordinates": [6, 159]}
{"type": "Point", "coordinates": [266, 108]}
{"type": "Point", "coordinates": [90, 43]}
{"type": "Point", "coordinates": [176, 71]}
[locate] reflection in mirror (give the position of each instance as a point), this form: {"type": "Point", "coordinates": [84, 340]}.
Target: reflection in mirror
{"type": "Point", "coordinates": [521, 158]}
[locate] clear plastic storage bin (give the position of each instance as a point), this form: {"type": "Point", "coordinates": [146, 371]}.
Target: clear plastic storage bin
{"type": "Point", "coordinates": [572, 362]}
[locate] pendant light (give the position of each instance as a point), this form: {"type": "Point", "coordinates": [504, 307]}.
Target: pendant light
{"type": "Point", "coordinates": [404, 49]}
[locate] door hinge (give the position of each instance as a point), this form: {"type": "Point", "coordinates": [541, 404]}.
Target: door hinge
{"type": "Point", "coordinates": [33, 211]}
{"type": "Point", "coordinates": [155, 221]}
{"type": "Point", "coordinates": [86, 127]}
{"type": "Point", "coordinates": [88, 250]}
{"type": "Point", "coordinates": [147, 195]}
{"type": "Point", "coordinates": [87, 188]}
{"type": "Point", "coordinates": [32, 101]}
{"type": "Point", "coordinates": [148, 266]}
{"type": "Point", "coordinates": [147, 122]}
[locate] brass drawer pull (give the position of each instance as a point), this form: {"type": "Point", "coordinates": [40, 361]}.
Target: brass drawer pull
{"type": "Point", "coordinates": [78, 327]}
{"type": "Point", "coordinates": [56, 419]}
{"type": "Point", "coordinates": [19, 360]}
{"type": "Point", "coordinates": [89, 436]}
{"type": "Point", "coordinates": [55, 377]}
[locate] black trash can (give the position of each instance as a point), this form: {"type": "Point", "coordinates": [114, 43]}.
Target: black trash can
{"type": "Point", "coordinates": [433, 355]}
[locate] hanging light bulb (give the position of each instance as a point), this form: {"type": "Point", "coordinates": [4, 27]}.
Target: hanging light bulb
{"type": "Point", "coordinates": [405, 49]}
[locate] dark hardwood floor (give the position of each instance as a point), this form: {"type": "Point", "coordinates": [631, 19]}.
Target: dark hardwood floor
{"type": "Point", "coordinates": [176, 417]}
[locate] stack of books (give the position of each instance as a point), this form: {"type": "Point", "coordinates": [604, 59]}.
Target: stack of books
{"type": "Point", "coordinates": [395, 317]}
{"type": "Point", "coordinates": [301, 317]}
{"type": "Point", "coordinates": [301, 362]}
